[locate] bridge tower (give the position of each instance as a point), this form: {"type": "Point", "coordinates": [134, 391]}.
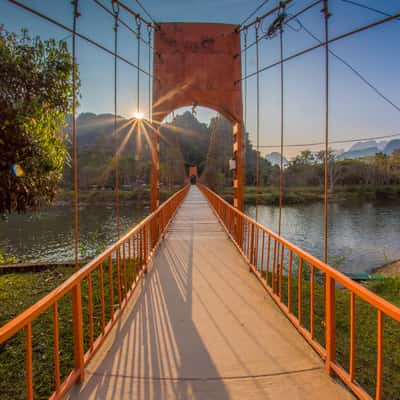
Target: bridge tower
{"type": "Point", "coordinates": [198, 64]}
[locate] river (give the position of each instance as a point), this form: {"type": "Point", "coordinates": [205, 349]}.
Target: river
{"type": "Point", "coordinates": [361, 235]}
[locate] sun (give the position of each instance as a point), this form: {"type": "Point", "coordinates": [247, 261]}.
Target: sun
{"type": "Point", "coordinates": [138, 115]}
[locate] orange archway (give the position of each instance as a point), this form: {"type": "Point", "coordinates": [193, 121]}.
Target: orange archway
{"type": "Point", "coordinates": [197, 64]}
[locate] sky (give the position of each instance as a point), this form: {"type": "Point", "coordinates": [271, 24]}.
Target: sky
{"type": "Point", "coordinates": [355, 110]}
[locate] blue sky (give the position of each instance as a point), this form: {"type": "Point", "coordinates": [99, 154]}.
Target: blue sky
{"type": "Point", "coordinates": [355, 111]}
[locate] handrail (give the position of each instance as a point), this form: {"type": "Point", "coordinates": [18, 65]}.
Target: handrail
{"type": "Point", "coordinates": [137, 247]}
{"type": "Point", "coordinates": [251, 239]}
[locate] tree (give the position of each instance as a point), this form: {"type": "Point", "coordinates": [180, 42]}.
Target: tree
{"type": "Point", "coordinates": [35, 98]}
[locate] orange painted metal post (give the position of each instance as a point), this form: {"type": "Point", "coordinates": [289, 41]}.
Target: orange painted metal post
{"type": "Point", "coordinates": [268, 259]}
{"type": "Point", "coordinates": [289, 279]}
{"type": "Point", "coordinates": [379, 356]}
{"type": "Point", "coordinates": [145, 244]}
{"type": "Point", "coordinates": [111, 285]}
{"type": "Point", "coordinates": [312, 287]}
{"type": "Point", "coordinates": [78, 330]}
{"type": "Point", "coordinates": [118, 256]}
{"type": "Point", "coordinates": [300, 291]}
{"type": "Point", "coordinates": [281, 270]}
{"type": "Point", "coordinates": [90, 311]}
{"type": "Point", "coordinates": [102, 304]}
{"type": "Point", "coordinates": [251, 244]}
{"type": "Point", "coordinates": [352, 336]}
{"type": "Point", "coordinates": [56, 347]}
{"type": "Point", "coordinates": [274, 267]}
{"type": "Point", "coordinates": [330, 322]}
{"type": "Point", "coordinates": [28, 361]}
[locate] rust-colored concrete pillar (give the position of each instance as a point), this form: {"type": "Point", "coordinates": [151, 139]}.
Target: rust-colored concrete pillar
{"type": "Point", "coordinates": [198, 64]}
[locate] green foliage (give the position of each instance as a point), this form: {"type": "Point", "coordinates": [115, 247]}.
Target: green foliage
{"type": "Point", "coordinates": [35, 97]}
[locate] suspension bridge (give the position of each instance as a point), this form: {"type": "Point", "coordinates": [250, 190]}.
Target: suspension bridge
{"type": "Point", "coordinates": [199, 300]}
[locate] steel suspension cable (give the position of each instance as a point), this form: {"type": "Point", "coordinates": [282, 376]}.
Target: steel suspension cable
{"type": "Point", "coordinates": [139, 3]}
{"type": "Point", "coordinates": [365, 7]}
{"type": "Point", "coordinates": [354, 70]}
{"type": "Point", "coordinates": [290, 18]}
{"type": "Point", "coordinates": [68, 29]}
{"type": "Point", "coordinates": [257, 27]}
{"type": "Point", "coordinates": [116, 184]}
{"type": "Point", "coordinates": [326, 161]}
{"type": "Point", "coordinates": [74, 137]}
{"type": "Point", "coordinates": [121, 21]}
{"type": "Point", "coordinates": [319, 45]}
{"type": "Point", "coordinates": [254, 12]}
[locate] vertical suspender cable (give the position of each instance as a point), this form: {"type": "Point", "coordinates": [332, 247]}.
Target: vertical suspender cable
{"type": "Point", "coordinates": [245, 74]}
{"type": "Point", "coordinates": [257, 117]}
{"type": "Point", "coordinates": [138, 25]}
{"type": "Point", "coordinates": [282, 130]}
{"type": "Point", "coordinates": [326, 159]}
{"type": "Point", "coordinates": [74, 138]}
{"type": "Point", "coordinates": [116, 184]}
{"type": "Point", "coordinates": [150, 74]}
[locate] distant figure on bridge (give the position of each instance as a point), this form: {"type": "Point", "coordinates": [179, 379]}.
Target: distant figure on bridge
{"type": "Point", "coordinates": [193, 175]}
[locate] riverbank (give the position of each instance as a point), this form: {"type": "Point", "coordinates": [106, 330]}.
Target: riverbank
{"type": "Point", "coordinates": [391, 269]}
{"type": "Point", "coordinates": [107, 197]}
{"type": "Point", "coordinates": [304, 195]}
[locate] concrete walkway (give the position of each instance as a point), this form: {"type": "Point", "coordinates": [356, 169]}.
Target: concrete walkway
{"type": "Point", "coordinates": [202, 327]}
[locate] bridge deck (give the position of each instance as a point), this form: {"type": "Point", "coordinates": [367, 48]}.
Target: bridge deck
{"type": "Point", "coordinates": [202, 327]}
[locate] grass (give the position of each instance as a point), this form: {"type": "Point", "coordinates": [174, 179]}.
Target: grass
{"type": "Point", "coordinates": [18, 291]}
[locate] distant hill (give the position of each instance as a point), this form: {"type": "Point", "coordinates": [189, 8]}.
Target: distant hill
{"type": "Point", "coordinates": [363, 145]}
{"type": "Point", "coordinates": [370, 148]}
{"type": "Point", "coordinates": [392, 145]}
{"type": "Point", "coordinates": [352, 154]}
{"type": "Point", "coordinates": [275, 159]}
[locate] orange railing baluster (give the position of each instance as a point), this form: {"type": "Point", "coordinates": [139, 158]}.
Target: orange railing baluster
{"type": "Point", "coordinates": [352, 336]}
{"type": "Point", "coordinates": [28, 361]}
{"type": "Point", "coordinates": [262, 252]}
{"type": "Point", "coordinates": [312, 287]}
{"type": "Point", "coordinates": [111, 285]}
{"type": "Point", "coordinates": [124, 269]}
{"type": "Point", "coordinates": [281, 271]}
{"type": "Point", "coordinates": [274, 267]}
{"type": "Point", "coordinates": [119, 289]}
{"type": "Point", "coordinates": [56, 347]}
{"type": "Point", "coordinates": [102, 303]}
{"type": "Point", "coordinates": [90, 311]}
{"type": "Point", "coordinates": [289, 280]}
{"type": "Point", "coordinates": [330, 322]}
{"type": "Point", "coordinates": [78, 330]}
{"type": "Point", "coordinates": [379, 356]}
{"type": "Point", "coordinates": [268, 259]}
{"type": "Point", "coordinates": [300, 291]}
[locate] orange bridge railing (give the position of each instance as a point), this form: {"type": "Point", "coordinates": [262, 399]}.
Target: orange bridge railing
{"type": "Point", "coordinates": [299, 282]}
{"type": "Point", "coordinates": [109, 281]}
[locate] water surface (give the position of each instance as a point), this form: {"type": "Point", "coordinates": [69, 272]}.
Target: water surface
{"type": "Point", "coordinates": [362, 236]}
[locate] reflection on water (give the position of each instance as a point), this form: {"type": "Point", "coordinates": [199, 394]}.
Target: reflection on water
{"type": "Point", "coordinates": [361, 235]}
{"type": "Point", "coordinates": [48, 234]}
